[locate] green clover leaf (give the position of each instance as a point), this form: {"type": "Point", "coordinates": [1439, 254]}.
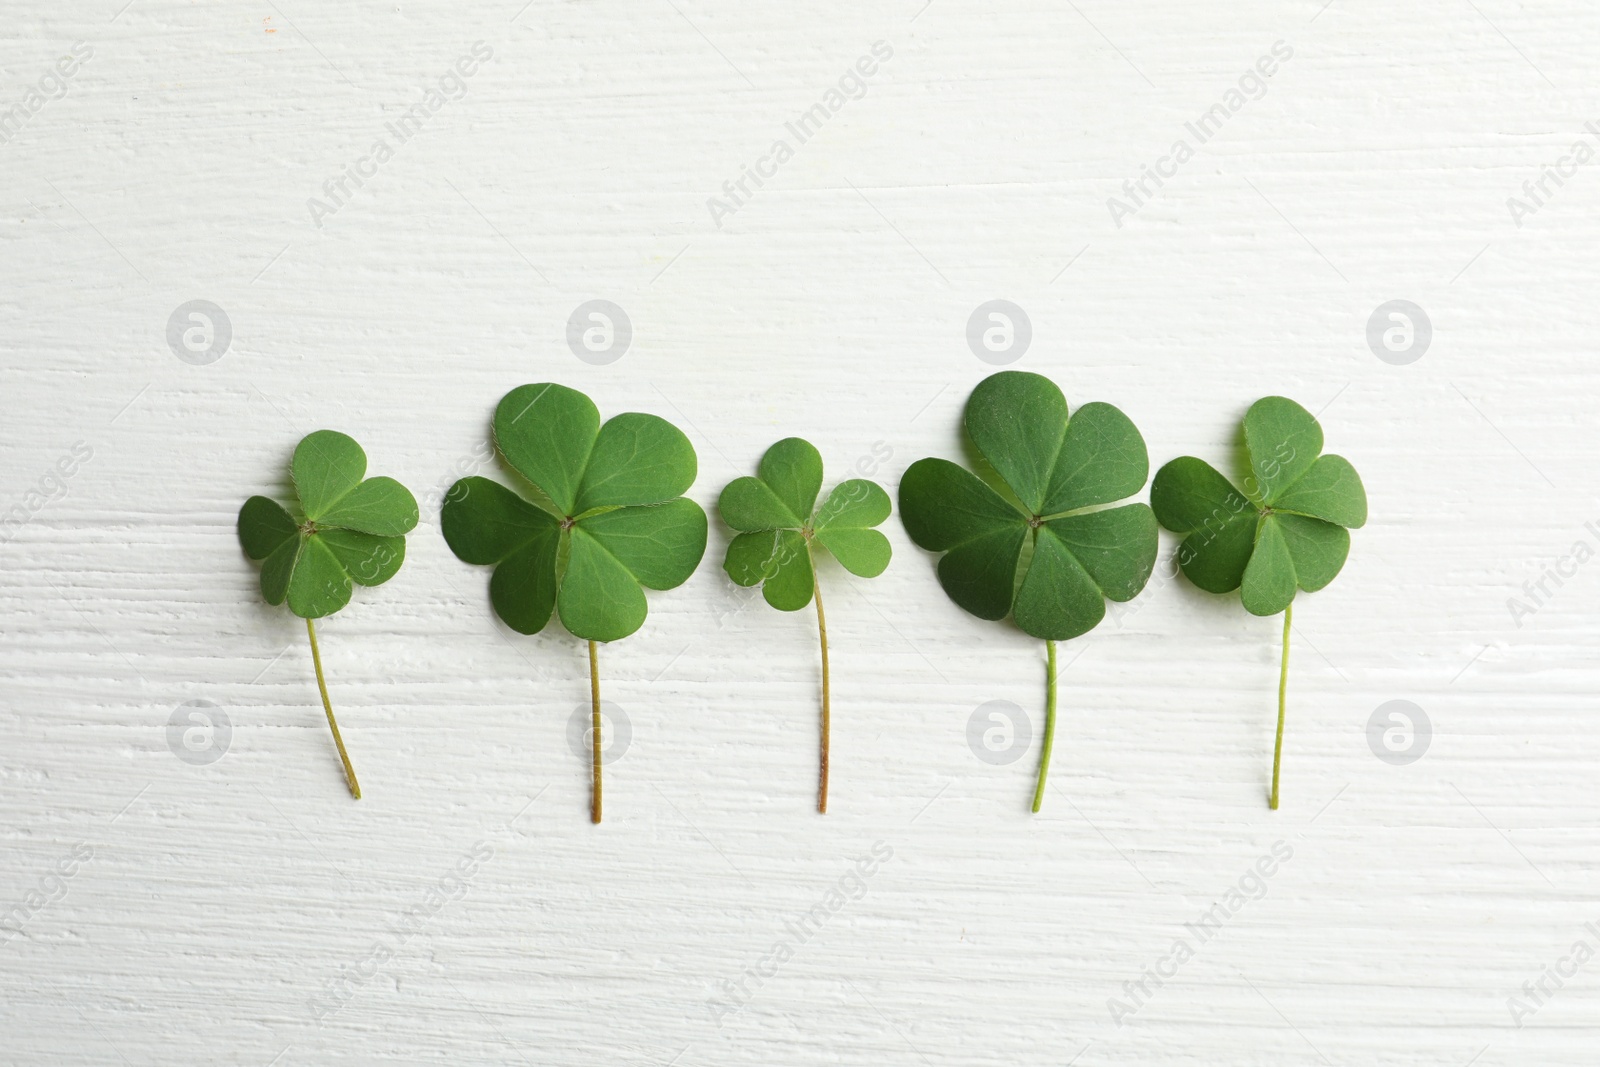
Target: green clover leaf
{"type": "Point", "coordinates": [608, 520]}
{"type": "Point", "coordinates": [781, 528]}
{"type": "Point", "coordinates": [612, 518]}
{"type": "Point", "coordinates": [1042, 544]}
{"type": "Point", "coordinates": [352, 533]}
{"type": "Point", "coordinates": [1288, 530]}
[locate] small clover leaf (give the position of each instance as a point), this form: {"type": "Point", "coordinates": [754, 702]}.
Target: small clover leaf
{"type": "Point", "coordinates": [608, 520]}
{"type": "Point", "coordinates": [1288, 530]}
{"type": "Point", "coordinates": [781, 528]}
{"type": "Point", "coordinates": [353, 533]}
{"type": "Point", "coordinates": [1043, 545]}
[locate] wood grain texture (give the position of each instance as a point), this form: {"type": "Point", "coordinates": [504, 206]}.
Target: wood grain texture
{"type": "Point", "coordinates": [465, 911]}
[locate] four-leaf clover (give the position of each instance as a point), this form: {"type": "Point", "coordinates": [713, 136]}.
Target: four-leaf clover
{"type": "Point", "coordinates": [608, 517]}
{"type": "Point", "coordinates": [1052, 481]}
{"type": "Point", "coordinates": [1288, 530]}
{"type": "Point", "coordinates": [351, 531]}
{"type": "Point", "coordinates": [781, 528]}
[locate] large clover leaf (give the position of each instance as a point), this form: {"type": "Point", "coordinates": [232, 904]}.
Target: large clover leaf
{"type": "Point", "coordinates": [351, 532]}
{"type": "Point", "coordinates": [1059, 475]}
{"type": "Point", "coordinates": [1042, 544]}
{"type": "Point", "coordinates": [609, 519]}
{"type": "Point", "coordinates": [782, 528]}
{"type": "Point", "coordinates": [613, 516]}
{"type": "Point", "coordinates": [1288, 530]}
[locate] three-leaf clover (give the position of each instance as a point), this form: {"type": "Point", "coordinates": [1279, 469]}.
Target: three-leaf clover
{"type": "Point", "coordinates": [350, 530]}
{"type": "Point", "coordinates": [1040, 542]}
{"type": "Point", "coordinates": [1288, 530]}
{"type": "Point", "coordinates": [782, 529]}
{"type": "Point", "coordinates": [608, 517]}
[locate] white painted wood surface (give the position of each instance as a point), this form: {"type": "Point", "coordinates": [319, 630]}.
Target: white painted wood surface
{"type": "Point", "coordinates": [211, 910]}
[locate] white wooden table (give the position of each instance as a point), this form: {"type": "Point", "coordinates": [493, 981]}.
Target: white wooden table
{"type": "Point", "coordinates": [246, 911]}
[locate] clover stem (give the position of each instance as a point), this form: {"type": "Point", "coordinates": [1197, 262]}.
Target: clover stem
{"type": "Point", "coordinates": [594, 694]}
{"type": "Point", "coordinates": [327, 705]}
{"type": "Point", "coordinates": [1049, 722]}
{"type": "Point", "coordinates": [822, 633]}
{"type": "Point", "coordinates": [1283, 688]}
